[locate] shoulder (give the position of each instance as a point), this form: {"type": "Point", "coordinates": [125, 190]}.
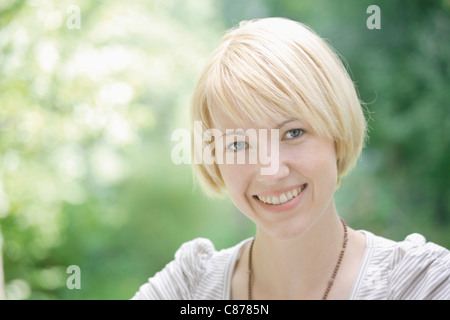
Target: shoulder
{"type": "Point", "coordinates": [419, 269]}
{"type": "Point", "coordinates": [408, 269]}
{"type": "Point", "coordinates": [193, 254]}
{"type": "Point", "coordinates": [197, 272]}
{"type": "Point", "coordinates": [416, 248]}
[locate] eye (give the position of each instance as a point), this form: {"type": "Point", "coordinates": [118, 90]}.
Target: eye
{"type": "Point", "coordinates": [294, 133]}
{"type": "Point", "coordinates": [238, 145]}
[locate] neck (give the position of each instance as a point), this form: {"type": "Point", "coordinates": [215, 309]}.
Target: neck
{"type": "Point", "coordinates": [299, 267]}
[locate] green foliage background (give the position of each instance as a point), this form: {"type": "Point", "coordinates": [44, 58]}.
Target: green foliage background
{"type": "Point", "coordinates": [86, 117]}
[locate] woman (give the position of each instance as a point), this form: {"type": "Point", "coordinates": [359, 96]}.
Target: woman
{"type": "Point", "coordinates": [277, 75]}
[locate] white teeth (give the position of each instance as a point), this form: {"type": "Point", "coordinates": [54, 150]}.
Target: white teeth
{"type": "Point", "coordinates": [289, 195]}
{"type": "Point", "coordinates": [283, 198]}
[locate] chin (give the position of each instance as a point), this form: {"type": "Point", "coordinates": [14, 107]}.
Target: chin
{"type": "Point", "coordinates": [288, 229]}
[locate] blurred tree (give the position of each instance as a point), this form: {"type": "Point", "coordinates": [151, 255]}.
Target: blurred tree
{"type": "Point", "coordinates": [2, 277]}
{"type": "Point", "coordinates": [85, 120]}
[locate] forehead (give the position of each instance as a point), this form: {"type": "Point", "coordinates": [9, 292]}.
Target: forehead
{"type": "Point", "coordinates": [223, 120]}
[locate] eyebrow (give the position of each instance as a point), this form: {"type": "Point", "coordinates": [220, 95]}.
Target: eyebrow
{"type": "Point", "coordinates": [281, 125]}
{"type": "Point", "coordinates": [278, 127]}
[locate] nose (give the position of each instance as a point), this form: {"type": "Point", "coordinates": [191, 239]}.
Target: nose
{"type": "Point", "coordinates": [272, 173]}
{"type": "Point", "coordinates": [272, 165]}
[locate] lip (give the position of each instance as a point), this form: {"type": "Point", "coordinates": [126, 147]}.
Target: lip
{"type": "Point", "coordinates": [279, 191]}
{"type": "Point", "coordinates": [281, 207]}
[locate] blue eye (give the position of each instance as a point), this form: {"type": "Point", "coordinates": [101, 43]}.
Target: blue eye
{"type": "Point", "coordinates": [237, 145]}
{"type": "Point", "coordinates": [294, 133]}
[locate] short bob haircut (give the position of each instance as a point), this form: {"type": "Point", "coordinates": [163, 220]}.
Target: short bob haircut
{"type": "Point", "coordinates": [276, 68]}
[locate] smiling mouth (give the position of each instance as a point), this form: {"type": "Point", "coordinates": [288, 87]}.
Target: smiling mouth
{"type": "Point", "coordinates": [282, 198]}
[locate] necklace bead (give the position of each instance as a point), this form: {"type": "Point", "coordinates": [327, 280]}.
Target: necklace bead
{"type": "Point", "coordinates": [330, 282]}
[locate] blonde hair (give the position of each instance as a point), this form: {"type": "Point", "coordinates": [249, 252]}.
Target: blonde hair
{"type": "Point", "coordinates": [276, 68]}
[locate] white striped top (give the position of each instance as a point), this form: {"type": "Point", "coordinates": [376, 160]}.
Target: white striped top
{"type": "Point", "coordinates": [410, 269]}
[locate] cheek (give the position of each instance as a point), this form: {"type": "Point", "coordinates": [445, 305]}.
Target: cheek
{"type": "Point", "coordinates": [326, 169]}
{"type": "Point", "coordinates": [236, 182]}
{"type": "Point", "coordinates": [320, 165]}
{"type": "Point", "coordinates": [237, 179]}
